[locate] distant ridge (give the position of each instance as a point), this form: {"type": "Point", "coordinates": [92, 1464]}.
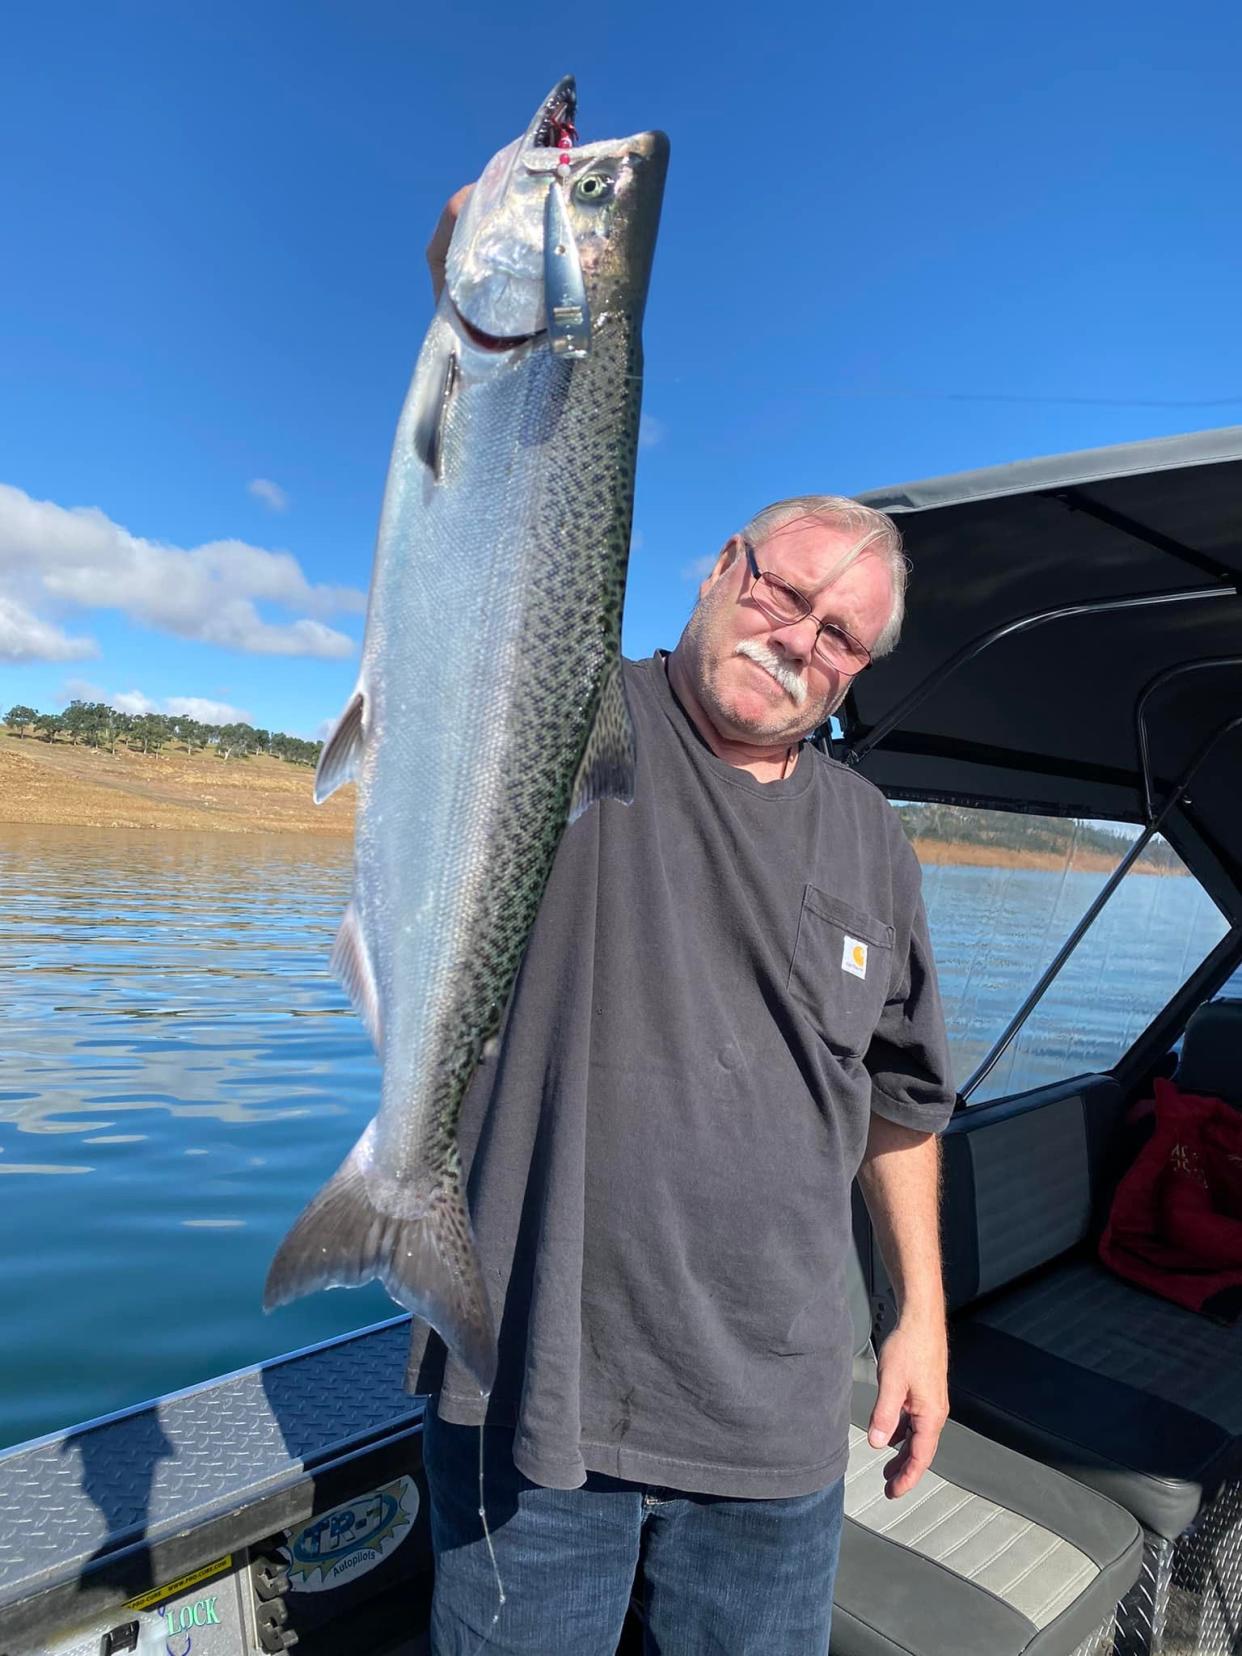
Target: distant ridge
{"type": "Point", "coordinates": [955, 834]}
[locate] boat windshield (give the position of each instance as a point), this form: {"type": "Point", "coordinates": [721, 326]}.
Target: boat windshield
{"type": "Point", "coordinates": [1003, 893]}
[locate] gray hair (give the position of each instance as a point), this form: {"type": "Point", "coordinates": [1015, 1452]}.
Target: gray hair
{"type": "Point", "coordinates": [876, 533]}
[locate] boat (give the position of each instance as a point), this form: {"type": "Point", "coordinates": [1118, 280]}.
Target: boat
{"type": "Point", "coordinates": [1073, 654]}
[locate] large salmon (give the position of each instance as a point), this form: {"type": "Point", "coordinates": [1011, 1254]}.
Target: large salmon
{"type": "Point", "coordinates": [489, 709]}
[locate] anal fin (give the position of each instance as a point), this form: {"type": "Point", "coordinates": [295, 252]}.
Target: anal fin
{"type": "Point", "coordinates": [338, 763]}
{"type": "Point", "coordinates": [607, 768]}
{"type": "Point", "coordinates": [352, 964]}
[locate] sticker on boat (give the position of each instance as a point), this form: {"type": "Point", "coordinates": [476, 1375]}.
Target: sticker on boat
{"type": "Point", "coordinates": [173, 1589]}
{"type": "Point", "coordinates": [351, 1539]}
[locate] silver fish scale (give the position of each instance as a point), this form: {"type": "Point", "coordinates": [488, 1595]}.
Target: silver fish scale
{"type": "Point", "coordinates": [557, 606]}
{"type": "Point", "coordinates": [490, 706]}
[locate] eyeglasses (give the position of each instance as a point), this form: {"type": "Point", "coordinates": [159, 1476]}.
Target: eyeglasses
{"type": "Point", "coordinates": [783, 603]}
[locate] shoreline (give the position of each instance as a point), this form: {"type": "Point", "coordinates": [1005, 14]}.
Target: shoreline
{"type": "Point", "coordinates": [54, 785]}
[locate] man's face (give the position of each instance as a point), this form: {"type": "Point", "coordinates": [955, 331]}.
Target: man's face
{"type": "Point", "coordinates": [747, 701]}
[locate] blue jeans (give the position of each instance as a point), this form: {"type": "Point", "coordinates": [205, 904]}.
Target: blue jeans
{"type": "Point", "coordinates": [720, 1577]}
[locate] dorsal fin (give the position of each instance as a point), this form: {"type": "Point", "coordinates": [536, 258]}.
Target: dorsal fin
{"type": "Point", "coordinates": [342, 751]}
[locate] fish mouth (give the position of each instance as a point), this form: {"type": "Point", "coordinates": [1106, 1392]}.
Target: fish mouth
{"type": "Point", "coordinates": [555, 120]}
{"type": "Point", "coordinates": [498, 343]}
{"type": "Point", "coordinates": [552, 128]}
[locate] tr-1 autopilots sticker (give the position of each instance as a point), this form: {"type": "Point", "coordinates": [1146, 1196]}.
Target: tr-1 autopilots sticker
{"type": "Point", "coordinates": [352, 1538]}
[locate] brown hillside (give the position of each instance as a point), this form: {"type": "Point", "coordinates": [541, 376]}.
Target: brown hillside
{"type": "Point", "coordinates": [82, 787]}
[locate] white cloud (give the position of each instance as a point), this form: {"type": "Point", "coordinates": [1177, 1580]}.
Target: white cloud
{"type": "Point", "coordinates": [207, 712]}
{"type": "Point", "coordinates": [650, 431]}
{"type": "Point", "coordinates": [636, 541]}
{"type": "Point", "coordinates": [76, 689]}
{"type": "Point", "coordinates": [26, 637]}
{"type": "Point", "coordinates": [701, 568]}
{"type": "Point", "coordinates": [131, 701]}
{"type": "Point", "coordinates": [271, 494]}
{"type": "Point", "coordinates": [51, 556]}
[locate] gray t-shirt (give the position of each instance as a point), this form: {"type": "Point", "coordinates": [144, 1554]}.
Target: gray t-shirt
{"type": "Point", "coordinates": [724, 980]}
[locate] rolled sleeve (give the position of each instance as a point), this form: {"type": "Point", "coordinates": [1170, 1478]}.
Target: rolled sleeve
{"type": "Point", "coordinates": [908, 1059]}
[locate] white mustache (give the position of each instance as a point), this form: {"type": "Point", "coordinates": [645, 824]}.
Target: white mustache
{"type": "Point", "coordinates": [790, 682]}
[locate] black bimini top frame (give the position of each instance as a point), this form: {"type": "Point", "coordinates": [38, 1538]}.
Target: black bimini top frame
{"type": "Point", "coordinates": [1048, 665]}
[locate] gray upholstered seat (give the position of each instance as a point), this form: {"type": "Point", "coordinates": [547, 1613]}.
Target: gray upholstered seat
{"type": "Point", "coordinates": [991, 1553]}
{"type": "Point", "coordinates": [1128, 1392]}
{"type": "Point", "coordinates": [1133, 1395]}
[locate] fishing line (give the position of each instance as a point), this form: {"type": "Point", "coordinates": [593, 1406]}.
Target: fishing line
{"type": "Point", "coordinates": [491, 1550]}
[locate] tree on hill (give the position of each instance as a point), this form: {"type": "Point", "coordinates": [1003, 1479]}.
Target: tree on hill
{"type": "Point", "coordinates": [190, 731]}
{"type": "Point", "coordinates": [77, 720]}
{"type": "Point", "coordinates": [236, 739]}
{"type": "Point", "coordinates": [294, 750]}
{"type": "Point", "coordinates": [17, 718]}
{"type": "Point", "coordinates": [96, 724]}
{"type": "Point", "coordinates": [151, 729]}
{"type": "Point", "coordinates": [112, 725]}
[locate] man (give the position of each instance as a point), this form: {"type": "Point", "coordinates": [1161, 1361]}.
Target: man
{"type": "Point", "coordinates": [727, 1008]}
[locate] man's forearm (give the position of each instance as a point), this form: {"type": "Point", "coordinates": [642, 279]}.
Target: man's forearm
{"type": "Point", "coordinates": [900, 1179]}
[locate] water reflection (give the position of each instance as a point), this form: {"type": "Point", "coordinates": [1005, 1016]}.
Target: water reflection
{"type": "Point", "coordinates": [168, 1004]}
{"type": "Point", "coordinates": [164, 973]}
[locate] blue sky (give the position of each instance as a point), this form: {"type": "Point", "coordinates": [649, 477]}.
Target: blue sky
{"type": "Point", "coordinates": [897, 242]}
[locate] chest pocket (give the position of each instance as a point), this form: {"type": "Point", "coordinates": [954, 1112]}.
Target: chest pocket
{"type": "Point", "coordinates": [840, 972]}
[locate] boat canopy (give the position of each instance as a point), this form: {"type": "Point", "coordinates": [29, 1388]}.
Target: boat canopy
{"type": "Point", "coordinates": [1073, 645]}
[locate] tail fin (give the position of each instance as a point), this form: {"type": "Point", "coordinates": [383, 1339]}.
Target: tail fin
{"type": "Point", "coordinates": [428, 1263]}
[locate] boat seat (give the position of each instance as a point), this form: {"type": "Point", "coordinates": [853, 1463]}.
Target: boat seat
{"type": "Point", "coordinates": [1054, 1356]}
{"type": "Point", "coordinates": [1135, 1396]}
{"type": "Point", "coordinates": [990, 1555]}
{"type": "Point", "coordinates": [1211, 1060]}
{"type": "Point", "coordinates": [1050, 1352]}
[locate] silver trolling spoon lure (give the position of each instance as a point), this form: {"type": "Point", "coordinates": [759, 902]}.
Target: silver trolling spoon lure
{"type": "Point", "coordinates": [569, 314]}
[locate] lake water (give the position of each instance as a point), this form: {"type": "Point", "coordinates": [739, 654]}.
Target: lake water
{"type": "Point", "coordinates": [178, 1073]}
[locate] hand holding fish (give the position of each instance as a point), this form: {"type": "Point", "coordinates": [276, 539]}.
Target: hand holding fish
{"type": "Point", "coordinates": [438, 246]}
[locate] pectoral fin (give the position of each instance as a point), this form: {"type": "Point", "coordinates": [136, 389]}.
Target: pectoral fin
{"type": "Point", "coordinates": [351, 961]}
{"type": "Point", "coordinates": [435, 395]}
{"type": "Point", "coordinates": [607, 768]}
{"type": "Point", "coordinates": [342, 751]}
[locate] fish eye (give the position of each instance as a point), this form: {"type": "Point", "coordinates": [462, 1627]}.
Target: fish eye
{"type": "Point", "coordinates": [593, 188]}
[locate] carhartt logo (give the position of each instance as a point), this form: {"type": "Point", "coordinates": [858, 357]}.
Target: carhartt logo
{"type": "Point", "coordinates": [854, 957]}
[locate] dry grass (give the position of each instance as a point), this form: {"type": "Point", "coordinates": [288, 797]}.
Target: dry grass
{"type": "Point", "coordinates": [54, 783]}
